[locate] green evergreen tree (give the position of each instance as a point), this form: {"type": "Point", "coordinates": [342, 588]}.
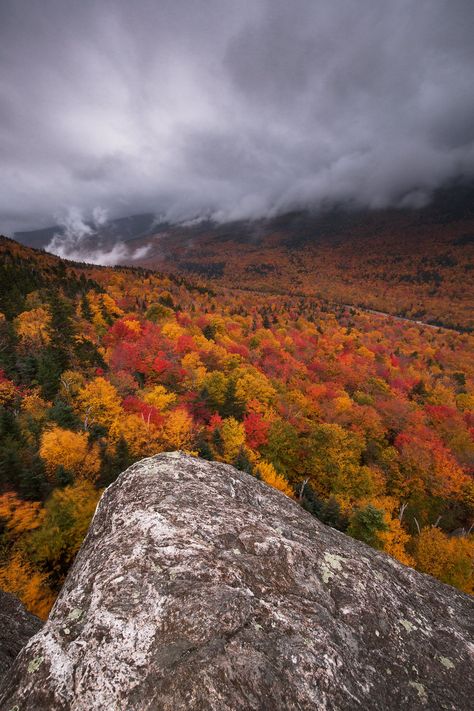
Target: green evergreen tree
{"type": "Point", "coordinates": [217, 441]}
{"type": "Point", "coordinates": [11, 468]}
{"type": "Point", "coordinates": [64, 415]}
{"type": "Point", "coordinates": [27, 369]}
{"type": "Point", "coordinates": [62, 328]}
{"type": "Point", "coordinates": [33, 483]}
{"type": "Point", "coordinates": [242, 462]}
{"type": "Point", "coordinates": [332, 515]}
{"type": "Point", "coordinates": [123, 457]}
{"type": "Point", "coordinates": [366, 523]}
{"type": "Point", "coordinates": [114, 464]}
{"type": "Point", "coordinates": [329, 512]}
{"type": "Point", "coordinates": [209, 332]}
{"type": "Point", "coordinates": [8, 342]}
{"type": "Point", "coordinates": [204, 449]}
{"type": "Point", "coordinates": [88, 354]}
{"type": "Point", "coordinates": [86, 311]}
{"type": "Point", "coordinates": [51, 364]}
{"type": "Point", "coordinates": [63, 477]}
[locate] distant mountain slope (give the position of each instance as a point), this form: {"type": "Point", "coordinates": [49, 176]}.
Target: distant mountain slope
{"type": "Point", "coordinates": [416, 263]}
{"type": "Point", "coordinates": [38, 239]}
{"type": "Point", "coordinates": [413, 263]}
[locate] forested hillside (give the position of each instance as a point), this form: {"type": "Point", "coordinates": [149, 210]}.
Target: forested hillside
{"type": "Point", "coordinates": [412, 263]}
{"type": "Point", "coordinates": [366, 420]}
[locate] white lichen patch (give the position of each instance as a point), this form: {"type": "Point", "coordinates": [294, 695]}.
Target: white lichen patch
{"type": "Point", "coordinates": [447, 662]}
{"type": "Point", "coordinates": [75, 614]}
{"type": "Point", "coordinates": [35, 664]}
{"type": "Point", "coordinates": [332, 564]}
{"type": "Point", "coordinates": [409, 626]}
{"type": "Point", "coordinates": [423, 696]}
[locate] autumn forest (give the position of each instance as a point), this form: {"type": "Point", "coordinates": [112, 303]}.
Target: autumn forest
{"type": "Point", "coordinates": [365, 420]}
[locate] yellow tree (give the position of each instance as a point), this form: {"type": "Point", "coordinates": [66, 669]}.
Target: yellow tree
{"type": "Point", "coordinates": [270, 476]}
{"type": "Point", "coordinates": [71, 450]}
{"type": "Point", "coordinates": [172, 331]}
{"type": "Point", "coordinates": [33, 415]}
{"type": "Point", "coordinates": [253, 385]}
{"type": "Point", "coordinates": [178, 430]}
{"type": "Point", "coordinates": [8, 391]}
{"type": "Point", "coordinates": [334, 464]}
{"type": "Point", "coordinates": [33, 326]}
{"type": "Point", "coordinates": [133, 326]}
{"type": "Point", "coordinates": [70, 383]}
{"type": "Point", "coordinates": [232, 435]}
{"type": "Point", "coordinates": [447, 558]}
{"type": "Point", "coordinates": [110, 306]}
{"type": "Point", "coordinates": [52, 545]}
{"type": "Point", "coordinates": [160, 398]}
{"type": "Point", "coordinates": [34, 405]}
{"type": "Point", "coordinates": [99, 403]}
{"type": "Point", "coordinates": [19, 516]}
{"type": "Point", "coordinates": [394, 540]}
{"type": "Point", "coordinates": [67, 515]}
{"type": "Point", "coordinates": [101, 304]}
{"type": "Point", "coordinates": [17, 575]}
{"type": "Point", "coordinates": [20, 578]}
{"type": "Point", "coordinates": [195, 371]}
{"type": "Point", "coordinates": [216, 384]}
{"type": "Point", "coordinates": [143, 438]}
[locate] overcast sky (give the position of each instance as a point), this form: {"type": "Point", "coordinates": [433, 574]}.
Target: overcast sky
{"type": "Point", "coordinates": [234, 107]}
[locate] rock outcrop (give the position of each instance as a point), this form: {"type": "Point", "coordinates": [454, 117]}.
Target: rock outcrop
{"type": "Point", "coordinates": [200, 588]}
{"type": "Point", "coordinates": [17, 625]}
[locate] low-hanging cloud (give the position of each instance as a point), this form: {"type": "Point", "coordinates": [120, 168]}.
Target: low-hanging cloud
{"type": "Point", "coordinates": [79, 240]}
{"type": "Point", "coordinates": [230, 109]}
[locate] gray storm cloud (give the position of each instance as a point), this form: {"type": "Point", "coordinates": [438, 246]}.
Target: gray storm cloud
{"type": "Point", "coordinates": [235, 109]}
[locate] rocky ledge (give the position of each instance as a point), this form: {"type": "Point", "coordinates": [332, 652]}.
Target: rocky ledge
{"type": "Point", "coordinates": [199, 587]}
{"type": "Point", "coordinates": [17, 625]}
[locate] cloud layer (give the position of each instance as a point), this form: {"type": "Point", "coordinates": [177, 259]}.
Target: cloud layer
{"type": "Point", "coordinates": [236, 109]}
{"type": "Point", "coordinates": [82, 241]}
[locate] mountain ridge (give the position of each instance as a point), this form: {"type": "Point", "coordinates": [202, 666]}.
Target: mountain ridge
{"type": "Point", "coordinates": [415, 263]}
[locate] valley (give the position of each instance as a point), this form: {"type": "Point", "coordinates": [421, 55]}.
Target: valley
{"type": "Point", "coordinates": [364, 419]}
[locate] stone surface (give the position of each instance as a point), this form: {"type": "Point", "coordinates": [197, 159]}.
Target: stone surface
{"type": "Point", "coordinates": [199, 587]}
{"type": "Point", "coordinates": [16, 627]}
